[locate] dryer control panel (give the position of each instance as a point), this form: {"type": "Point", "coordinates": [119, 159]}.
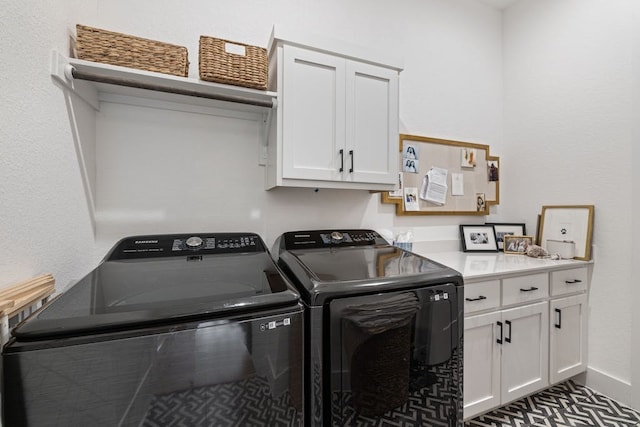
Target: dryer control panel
{"type": "Point", "coordinates": [331, 238]}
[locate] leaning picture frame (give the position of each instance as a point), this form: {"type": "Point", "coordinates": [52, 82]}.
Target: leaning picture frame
{"type": "Point", "coordinates": [478, 238]}
{"type": "Point", "coordinates": [507, 229]}
{"type": "Point", "coordinates": [572, 223]}
{"type": "Point", "coordinates": [517, 244]}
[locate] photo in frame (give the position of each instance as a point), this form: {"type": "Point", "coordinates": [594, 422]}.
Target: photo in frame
{"type": "Point", "coordinates": [568, 223]}
{"type": "Point", "coordinates": [517, 244]}
{"type": "Point", "coordinates": [478, 238]}
{"type": "Point", "coordinates": [507, 229]}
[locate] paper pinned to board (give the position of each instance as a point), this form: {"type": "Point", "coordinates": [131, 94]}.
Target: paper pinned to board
{"type": "Point", "coordinates": [457, 184]}
{"type": "Point", "coordinates": [434, 186]}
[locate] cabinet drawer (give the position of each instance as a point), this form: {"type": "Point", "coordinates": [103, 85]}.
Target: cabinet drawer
{"type": "Point", "coordinates": [481, 296]}
{"type": "Point", "coordinates": [517, 290]}
{"type": "Point", "coordinates": [568, 281]}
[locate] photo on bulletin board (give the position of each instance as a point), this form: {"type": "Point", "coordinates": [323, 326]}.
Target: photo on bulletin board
{"type": "Point", "coordinates": [410, 151]}
{"type": "Point", "coordinates": [397, 193]}
{"type": "Point", "coordinates": [410, 165]}
{"type": "Point", "coordinates": [468, 157]}
{"type": "Point", "coordinates": [492, 170]}
{"type": "Point", "coordinates": [481, 202]}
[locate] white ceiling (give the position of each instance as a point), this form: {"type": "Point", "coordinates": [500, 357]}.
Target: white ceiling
{"type": "Point", "coordinates": [499, 4]}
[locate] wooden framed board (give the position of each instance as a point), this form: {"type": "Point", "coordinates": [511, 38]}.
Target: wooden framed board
{"type": "Point", "coordinates": [445, 177]}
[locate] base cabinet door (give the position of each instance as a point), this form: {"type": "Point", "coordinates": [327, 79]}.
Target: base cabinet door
{"type": "Point", "coordinates": [481, 363]}
{"type": "Point", "coordinates": [525, 350]}
{"type": "Point", "coordinates": [568, 337]}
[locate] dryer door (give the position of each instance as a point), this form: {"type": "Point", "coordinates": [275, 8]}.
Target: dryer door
{"type": "Point", "coordinates": [394, 357]}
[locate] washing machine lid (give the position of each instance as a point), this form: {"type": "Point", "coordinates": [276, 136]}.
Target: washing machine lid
{"type": "Point", "coordinates": [354, 262]}
{"type": "Point", "coordinates": [147, 280]}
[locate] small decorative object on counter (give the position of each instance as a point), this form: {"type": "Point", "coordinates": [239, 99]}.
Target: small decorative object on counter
{"type": "Point", "coordinates": [108, 47]}
{"type": "Point", "coordinates": [227, 62]}
{"type": "Point", "coordinates": [565, 249]}
{"type": "Point", "coordinates": [536, 251]}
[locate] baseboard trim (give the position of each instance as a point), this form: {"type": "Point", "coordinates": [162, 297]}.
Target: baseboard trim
{"type": "Point", "coordinates": [609, 385]}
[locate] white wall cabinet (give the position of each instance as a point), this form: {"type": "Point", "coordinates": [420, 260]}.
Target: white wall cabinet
{"type": "Point", "coordinates": [337, 120]}
{"type": "Point", "coordinates": [522, 333]}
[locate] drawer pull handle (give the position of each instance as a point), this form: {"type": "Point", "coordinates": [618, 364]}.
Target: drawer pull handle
{"type": "Point", "coordinates": [533, 288]}
{"type": "Point", "coordinates": [341, 160]}
{"type": "Point", "coordinates": [559, 324]}
{"type": "Point", "coordinates": [570, 282]}
{"type": "Point", "coordinates": [508, 339]}
{"type": "Point", "coordinates": [480, 298]}
{"type": "Point", "coordinates": [499, 340]}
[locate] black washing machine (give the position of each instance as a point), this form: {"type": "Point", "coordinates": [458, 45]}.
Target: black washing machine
{"type": "Point", "coordinates": [197, 330]}
{"type": "Point", "coordinates": [383, 330]}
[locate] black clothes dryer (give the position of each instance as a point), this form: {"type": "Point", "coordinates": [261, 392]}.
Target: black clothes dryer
{"type": "Point", "coordinates": [197, 330]}
{"type": "Point", "coordinates": [383, 330]}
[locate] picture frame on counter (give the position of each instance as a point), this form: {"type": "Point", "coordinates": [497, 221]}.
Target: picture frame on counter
{"type": "Point", "coordinates": [517, 244]}
{"type": "Point", "coordinates": [507, 229]}
{"type": "Point", "coordinates": [478, 238]}
{"type": "Point", "coordinates": [571, 223]}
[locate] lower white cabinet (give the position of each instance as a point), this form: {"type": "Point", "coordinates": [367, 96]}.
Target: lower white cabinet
{"type": "Point", "coordinates": [505, 356]}
{"type": "Point", "coordinates": [525, 350]}
{"type": "Point", "coordinates": [482, 363]}
{"type": "Point", "coordinates": [523, 333]}
{"type": "Point", "coordinates": [568, 337]}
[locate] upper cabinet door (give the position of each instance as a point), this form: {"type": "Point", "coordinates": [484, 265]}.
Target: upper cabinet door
{"type": "Point", "coordinates": [371, 123]}
{"type": "Point", "coordinates": [313, 107]}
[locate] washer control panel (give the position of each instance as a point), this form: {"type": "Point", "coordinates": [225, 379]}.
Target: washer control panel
{"type": "Point", "coordinates": [191, 244]}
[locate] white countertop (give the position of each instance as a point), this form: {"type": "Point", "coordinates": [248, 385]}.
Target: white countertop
{"type": "Point", "coordinates": [485, 265]}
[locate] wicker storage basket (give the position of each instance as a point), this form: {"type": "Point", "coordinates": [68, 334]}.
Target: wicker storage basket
{"type": "Point", "coordinates": [94, 44]}
{"type": "Point", "coordinates": [247, 68]}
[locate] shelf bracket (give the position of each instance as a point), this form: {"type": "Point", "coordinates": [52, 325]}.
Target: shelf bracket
{"type": "Point", "coordinates": [267, 119]}
{"type": "Point", "coordinates": [62, 72]}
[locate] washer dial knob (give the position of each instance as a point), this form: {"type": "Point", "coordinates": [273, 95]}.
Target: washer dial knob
{"type": "Point", "coordinates": [194, 242]}
{"type": "Point", "coordinates": [337, 236]}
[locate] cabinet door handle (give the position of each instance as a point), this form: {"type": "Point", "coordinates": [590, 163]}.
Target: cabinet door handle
{"type": "Point", "coordinates": [559, 324]}
{"type": "Point", "coordinates": [480, 298]}
{"type": "Point", "coordinates": [508, 339]}
{"type": "Point", "coordinates": [499, 340]}
{"type": "Point", "coordinates": [341, 160]}
{"type": "Point", "coordinates": [570, 282]}
{"type": "Point", "coordinates": [351, 154]}
{"type": "Point", "coordinates": [533, 288]}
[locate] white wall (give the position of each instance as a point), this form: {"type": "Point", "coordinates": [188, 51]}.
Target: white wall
{"type": "Point", "coordinates": [635, 326]}
{"type": "Point", "coordinates": [451, 88]}
{"type": "Point", "coordinates": [44, 222]}
{"type": "Point", "coordinates": [568, 124]}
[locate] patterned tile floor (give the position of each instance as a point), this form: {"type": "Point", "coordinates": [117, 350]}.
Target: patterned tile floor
{"type": "Point", "coordinates": [564, 405]}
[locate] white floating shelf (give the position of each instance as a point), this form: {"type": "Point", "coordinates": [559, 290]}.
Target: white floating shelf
{"type": "Point", "coordinates": [93, 82]}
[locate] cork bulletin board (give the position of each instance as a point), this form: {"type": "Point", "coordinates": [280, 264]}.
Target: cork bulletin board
{"type": "Point", "coordinates": [445, 177]}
